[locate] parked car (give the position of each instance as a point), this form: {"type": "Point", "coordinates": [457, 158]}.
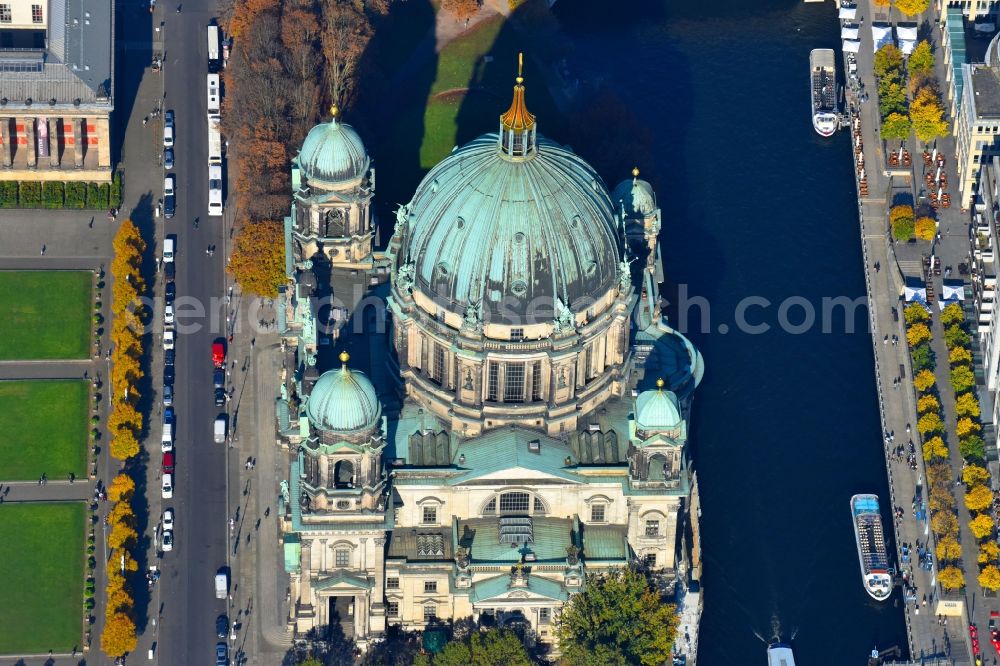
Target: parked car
{"type": "Point", "coordinates": [167, 486]}
{"type": "Point", "coordinates": [221, 626]}
{"type": "Point", "coordinates": [168, 540]}
{"type": "Point", "coordinates": [169, 197]}
{"type": "Point", "coordinates": [221, 654]}
{"type": "Point", "coordinates": [168, 395]}
{"type": "Point", "coordinates": [169, 356]}
{"type": "Point", "coordinates": [220, 397]}
{"type": "Point", "coordinates": [168, 415]}
{"type": "Point", "coordinates": [219, 429]}
{"type": "Point", "coordinates": [169, 243]}
{"type": "Point", "coordinates": [219, 352]}
{"type": "Point", "coordinates": [168, 462]}
{"type": "Point", "coordinates": [169, 271]}
{"type": "Point", "coordinates": [170, 292]}
{"type": "Point", "coordinates": [218, 378]}
{"type": "Point", "coordinates": [168, 314]}
{"type": "Point", "coordinates": [168, 519]}
{"type": "Point", "coordinates": [168, 159]}
{"type": "Point", "coordinates": [168, 375]}
{"type": "Point", "coordinates": [168, 129]}
{"type": "Point", "coordinates": [168, 339]}
{"type": "Point", "coordinates": [167, 439]}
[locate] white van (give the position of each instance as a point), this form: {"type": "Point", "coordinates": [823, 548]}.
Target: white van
{"type": "Point", "coordinates": [167, 440]}
{"type": "Point", "coordinates": [221, 585]}
{"type": "Point", "coordinates": [169, 248]}
{"type": "Point", "coordinates": [215, 191]}
{"type": "Point", "coordinates": [220, 429]}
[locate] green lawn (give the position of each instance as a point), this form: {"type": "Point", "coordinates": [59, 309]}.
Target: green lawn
{"type": "Point", "coordinates": [45, 314]}
{"type": "Point", "coordinates": [43, 429]}
{"type": "Point", "coordinates": [41, 575]}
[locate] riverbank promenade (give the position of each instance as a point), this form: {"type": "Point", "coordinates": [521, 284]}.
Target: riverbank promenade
{"type": "Point", "coordinates": [929, 636]}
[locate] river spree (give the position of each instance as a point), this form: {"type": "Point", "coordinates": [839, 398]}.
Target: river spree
{"type": "Point", "coordinates": [755, 204]}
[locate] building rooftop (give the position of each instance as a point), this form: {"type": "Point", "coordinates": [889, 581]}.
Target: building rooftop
{"type": "Point", "coordinates": [74, 65]}
{"type": "Point", "coordinates": [986, 91]}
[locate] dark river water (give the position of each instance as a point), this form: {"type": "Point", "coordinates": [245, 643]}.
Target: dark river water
{"type": "Point", "coordinates": [755, 204]}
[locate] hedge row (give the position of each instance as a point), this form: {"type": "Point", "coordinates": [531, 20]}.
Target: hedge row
{"type": "Point", "coordinates": [54, 194]}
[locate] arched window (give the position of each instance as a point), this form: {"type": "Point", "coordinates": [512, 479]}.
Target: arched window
{"type": "Point", "coordinates": [343, 474]}
{"type": "Point", "coordinates": [658, 468]}
{"type": "Point", "coordinates": [514, 502]}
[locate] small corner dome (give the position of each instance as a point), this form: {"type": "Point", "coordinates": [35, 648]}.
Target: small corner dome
{"type": "Point", "coordinates": [657, 410]}
{"type": "Point", "coordinates": [333, 155]}
{"type": "Point", "coordinates": [635, 194]}
{"type": "Point", "coordinates": [343, 400]}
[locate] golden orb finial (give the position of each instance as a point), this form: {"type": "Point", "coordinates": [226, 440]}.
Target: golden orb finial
{"type": "Point", "coordinates": [344, 358]}
{"type": "Point", "coordinates": [660, 383]}
{"type": "Point", "coordinates": [334, 111]}
{"type": "Point", "coordinates": [635, 172]}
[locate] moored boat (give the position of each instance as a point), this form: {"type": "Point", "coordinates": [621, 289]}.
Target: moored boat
{"type": "Point", "coordinates": [780, 654]}
{"type": "Point", "coordinates": [870, 540]}
{"type": "Point", "coordinates": [823, 88]}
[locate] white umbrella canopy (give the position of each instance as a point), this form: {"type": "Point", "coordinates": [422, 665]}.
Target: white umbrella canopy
{"type": "Point", "coordinates": [851, 46]}
{"type": "Point", "coordinates": [849, 32]}
{"type": "Point", "coordinates": [848, 12]}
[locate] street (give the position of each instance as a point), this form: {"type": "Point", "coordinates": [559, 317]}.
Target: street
{"type": "Point", "coordinates": [184, 603]}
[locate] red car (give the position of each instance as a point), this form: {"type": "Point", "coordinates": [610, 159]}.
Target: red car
{"type": "Point", "coordinates": [168, 462]}
{"type": "Point", "coordinates": [219, 353]}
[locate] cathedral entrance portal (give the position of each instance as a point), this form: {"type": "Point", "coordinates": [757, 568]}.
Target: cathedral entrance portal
{"type": "Point", "coordinates": [341, 614]}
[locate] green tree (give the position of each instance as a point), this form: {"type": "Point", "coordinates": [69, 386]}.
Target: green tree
{"type": "Point", "coordinates": [955, 336]}
{"type": "Point", "coordinates": [922, 358]}
{"type": "Point", "coordinates": [972, 448]}
{"type": "Point", "coordinates": [618, 615]}
{"type": "Point", "coordinates": [889, 62]}
{"type": "Point", "coordinates": [914, 313]}
{"type": "Point", "coordinates": [962, 378]}
{"type": "Point", "coordinates": [952, 314]}
{"type": "Point", "coordinates": [921, 61]}
{"type": "Point", "coordinates": [891, 100]}
{"type": "Point", "coordinates": [912, 7]}
{"type": "Point", "coordinates": [895, 126]}
{"type": "Point", "coordinates": [496, 647]}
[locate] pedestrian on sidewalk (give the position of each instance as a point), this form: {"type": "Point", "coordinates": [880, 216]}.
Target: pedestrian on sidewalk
{"type": "Point", "coordinates": [43, 250]}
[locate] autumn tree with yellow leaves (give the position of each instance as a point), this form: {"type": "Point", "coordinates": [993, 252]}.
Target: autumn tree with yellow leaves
{"type": "Point", "coordinates": [967, 405]}
{"type": "Point", "coordinates": [928, 403]}
{"type": "Point", "coordinates": [974, 475]}
{"type": "Point", "coordinates": [948, 548]}
{"type": "Point", "coordinates": [918, 333]}
{"type": "Point", "coordinates": [923, 380]}
{"type": "Point", "coordinates": [989, 551]}
{"type": "Point", "coordinates": [122, 486]}
{"type": "Point", "coordinates": [978, 499]}
{"type": "Point", "coordinates": [118, 637]}
{"type": "Point", "coordinates": [933, 448]}
{"type": "Point", "coordinates": [989, 578]}
{"type": "Point", "coordinates": [981, 526]}
{"type": "Point", "coordinates": [951, 578]}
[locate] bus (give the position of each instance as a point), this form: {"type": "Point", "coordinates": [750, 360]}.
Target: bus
{"type": "Point", "coordinates": [214, 190]}
{"type": "Point", "coordinates": [213, 49]}
{"type": "Point", "coordinates": [214, 141]}
{"type": "Point", "coordinates": [213, 95]}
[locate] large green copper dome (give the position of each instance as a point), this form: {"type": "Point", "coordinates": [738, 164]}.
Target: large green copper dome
{"type": "Point", "coordinates": [343, 400]}
{"type": "Point", "coordinates": [513, 234]}
{"type": "Point", "coordinates": [333, 154]}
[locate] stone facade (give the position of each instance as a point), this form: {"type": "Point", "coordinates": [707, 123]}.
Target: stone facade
{"type": "Point", "coordinates": [490, 463]}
